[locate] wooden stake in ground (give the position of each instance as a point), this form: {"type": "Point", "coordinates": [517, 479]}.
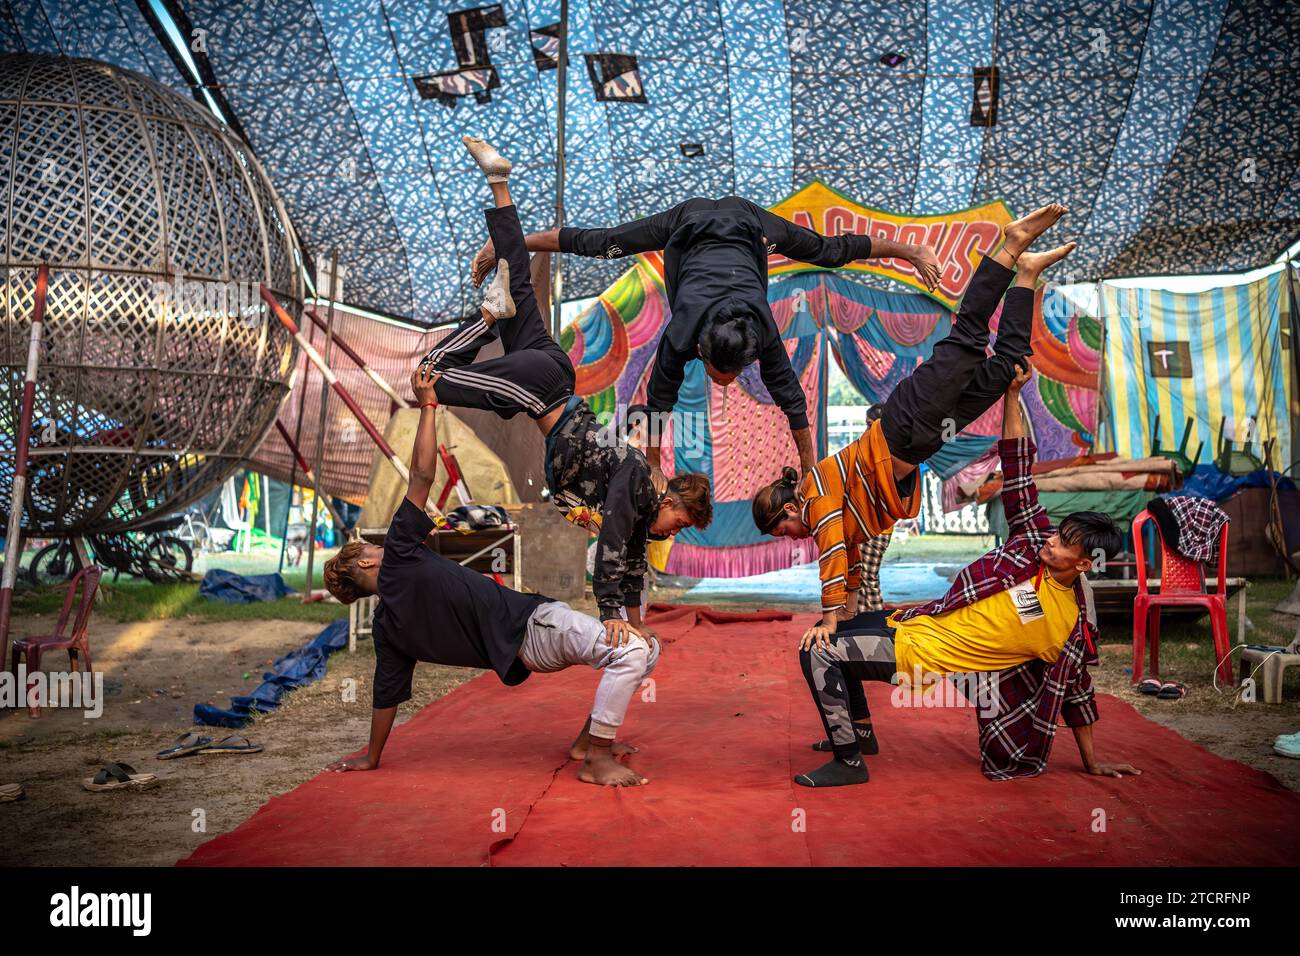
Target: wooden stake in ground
{"type": "Point", "coordinates": [18, 491]}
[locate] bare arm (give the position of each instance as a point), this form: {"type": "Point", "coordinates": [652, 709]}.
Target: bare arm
{"type": "Point", "coordinates": [803, 441]}
{"type": "Point", "coordinates": [381, 724]}
{"type": "Point", "coordinates": [424, 457]}
{"type": "Point", "coordinates": [1013, 421]}
{"type": "Point", "coordinates": [1083, 737]}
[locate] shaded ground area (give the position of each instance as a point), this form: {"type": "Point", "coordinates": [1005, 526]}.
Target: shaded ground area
{"type": "Point", "coordinates": [163, 650]}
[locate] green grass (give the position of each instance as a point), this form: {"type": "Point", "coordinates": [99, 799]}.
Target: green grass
{"type": "Point", "coordinates": [130, 600]}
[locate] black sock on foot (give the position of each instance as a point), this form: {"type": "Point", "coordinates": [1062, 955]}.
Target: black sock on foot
{"type": "Point", "coordinates": [840, 772]}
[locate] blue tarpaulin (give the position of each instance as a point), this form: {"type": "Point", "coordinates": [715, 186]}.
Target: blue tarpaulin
{"type": "Point", "coordinates": [300, 667]}
{"type": "Point", "coordinates": [232, 588]}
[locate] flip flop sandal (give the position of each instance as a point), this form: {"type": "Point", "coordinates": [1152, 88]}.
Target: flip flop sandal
{"type": "Point", "coordinates": [117, 776]}
{"type": "Point", "coordinates": [1171, 690]}
{"type": "Point", "coordinates": [234, 744]}
{"type": "Point", "coordinates": [184, 744]}
{"type": "Point", "coordinates": [9, 792]}
{"type": "Point", "coordinates": [1150, 686]}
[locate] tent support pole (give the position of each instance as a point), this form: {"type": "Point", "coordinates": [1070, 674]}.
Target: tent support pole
{"type": "Point", "coordinates": [18, 490]}
{"type": "Point", "coordinates": [320, 427]}
{"type": "Point", "coordinates": [562, 85]}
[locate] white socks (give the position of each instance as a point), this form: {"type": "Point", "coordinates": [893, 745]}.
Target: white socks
{"type": "Point", "coordinates": [497, 299]}
{"type": "Point", "coordinates": [495, 166]}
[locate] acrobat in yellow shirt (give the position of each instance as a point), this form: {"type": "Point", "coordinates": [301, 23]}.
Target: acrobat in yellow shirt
{"type": "Point", "coordinates": [1034, 619]}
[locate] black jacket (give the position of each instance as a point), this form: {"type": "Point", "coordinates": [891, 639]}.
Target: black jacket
{"type": "Point", "coordinates": [715, 251]}
{"type": "Point", "coordinates": [604, 485]}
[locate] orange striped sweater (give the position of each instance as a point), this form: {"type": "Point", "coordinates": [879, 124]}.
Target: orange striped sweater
{"type": "Point", "coordinates": [848, 498]}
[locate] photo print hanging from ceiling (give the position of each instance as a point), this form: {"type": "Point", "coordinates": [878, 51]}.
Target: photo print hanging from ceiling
{"type": "Point", "coordinates": [475, 76]}
{"type": "Point", "coordinates": [615, 78]}
{"type": "Point", "coordinates": [546, 46]}
{"type": "Point", "coordinates": [984, 97]}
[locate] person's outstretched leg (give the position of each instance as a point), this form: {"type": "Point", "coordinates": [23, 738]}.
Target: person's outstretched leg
{"type": "Point", "coordinates": [918, 415]}
{"type": "Point", "coordinates": [829, 672]}
{"type": "Point", "coordinates": [535, 375]}
{"type": "Point", "coordinates": [1011, 348]}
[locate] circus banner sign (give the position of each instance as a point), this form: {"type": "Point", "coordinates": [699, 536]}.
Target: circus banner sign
{"type": "Point", "coordinates": [958, 238]}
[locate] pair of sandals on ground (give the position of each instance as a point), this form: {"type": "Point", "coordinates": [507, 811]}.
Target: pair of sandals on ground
{"type": "Point", "coordinates": [118, 776]}
{"type": "Point", "coordinates": [1162, 690]}
{"type": "Point", "coordinates": [121, 776]}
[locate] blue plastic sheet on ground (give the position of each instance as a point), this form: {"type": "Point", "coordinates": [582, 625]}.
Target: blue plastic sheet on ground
{"type": "Point", "coordinates": [300, 667]}
{"type": "Point", "coordinates": [1207, 481]}
{"type": "Point", "coordinates": [232, 588]}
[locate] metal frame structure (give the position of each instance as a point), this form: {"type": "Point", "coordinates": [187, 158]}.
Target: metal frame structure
{"type": "Point", "coordinates": [160, 369]}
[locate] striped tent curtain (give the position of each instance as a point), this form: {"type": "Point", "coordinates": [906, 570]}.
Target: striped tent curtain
{"type": "Point", "coordinates": [1216, 357]}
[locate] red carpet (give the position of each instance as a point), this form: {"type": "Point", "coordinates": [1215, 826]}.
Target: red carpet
{"type": "Point", "coordinates": [480, 777]}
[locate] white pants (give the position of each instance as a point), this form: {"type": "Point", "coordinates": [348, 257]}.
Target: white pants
{"type": "Point", "coordinates": [560, 637]}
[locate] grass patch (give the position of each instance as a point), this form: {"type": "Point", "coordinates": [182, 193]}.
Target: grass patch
{"type": "Point", "coordinates": [130, 600]}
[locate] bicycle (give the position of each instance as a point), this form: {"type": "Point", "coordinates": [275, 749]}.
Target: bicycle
{"type": "Point", "coordinates": [147, 552]}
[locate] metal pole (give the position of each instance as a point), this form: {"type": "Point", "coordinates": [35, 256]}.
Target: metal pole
{"type": "Point", "coordinates": [18, 492]}
{"type": "Point", "coordinates": [297, 438]}
{"type": "Point", "coordinates": [562, 78]}
{"type": "Point", "coordinates": [306, 469]}
{"type": "Point", "coordinates": [320, 427]}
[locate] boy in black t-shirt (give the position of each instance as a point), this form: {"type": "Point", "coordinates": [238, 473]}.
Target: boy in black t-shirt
{"type": "Point", "coordinates": [432, 609]}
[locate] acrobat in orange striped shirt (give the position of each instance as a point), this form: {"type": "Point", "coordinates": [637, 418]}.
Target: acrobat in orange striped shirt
{"type": "Point", "coordinates": [848, 498]}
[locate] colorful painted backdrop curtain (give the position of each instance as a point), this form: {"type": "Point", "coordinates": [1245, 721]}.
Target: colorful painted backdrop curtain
{"type": "Point", "coordinates": [1214, 357]}
{"type": "Point", "coordinates": [743, 440]}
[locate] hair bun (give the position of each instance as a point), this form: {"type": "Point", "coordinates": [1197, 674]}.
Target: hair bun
{"type": "Point", "coordinates": [789, 476]}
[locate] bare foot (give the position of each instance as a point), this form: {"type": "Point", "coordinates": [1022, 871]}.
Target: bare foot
{"type": "Point", "coordinates": [580, 746]}
{"type": "Point", "coordinates": [483, 262]}
{"type": "Point", "coordinates": [495, 166]}
{"type": "Point", "coordinates": [1032, 264]}
{"type": "Point", "coordinates": [607, 772]}
{"type": "Point", "coordinates": [1020, 233]}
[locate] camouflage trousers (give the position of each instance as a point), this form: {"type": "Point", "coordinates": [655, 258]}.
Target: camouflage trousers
{"type": "Point", "coordinates": [834, 676]}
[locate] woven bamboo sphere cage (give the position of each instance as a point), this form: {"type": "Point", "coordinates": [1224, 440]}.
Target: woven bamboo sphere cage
{"type": "Point", "coordinates": [160, 367]}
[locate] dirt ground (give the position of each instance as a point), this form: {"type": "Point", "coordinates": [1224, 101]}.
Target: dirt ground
{"type": "Point", "coordinates": [156, 671]}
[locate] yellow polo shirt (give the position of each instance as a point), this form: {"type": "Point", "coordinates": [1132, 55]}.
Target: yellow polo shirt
{"type": "Point", "coordinates": [1034, 619]}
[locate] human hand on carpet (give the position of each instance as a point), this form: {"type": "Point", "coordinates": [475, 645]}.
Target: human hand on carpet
{"type": "Point", "coordinates": [483, 262]}
{"type": "Point", "coordinates": [819, 634]}
{"type": "Point", "coordinates": [362, 762]}
{"type": "Point", "coordinates": [1112, 770]}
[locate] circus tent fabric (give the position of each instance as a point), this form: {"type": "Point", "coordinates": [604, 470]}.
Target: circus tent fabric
{"type": "Point", "coordinates": [1163, 124]}
{"type": "Point", "coordinates": [1218, 358]}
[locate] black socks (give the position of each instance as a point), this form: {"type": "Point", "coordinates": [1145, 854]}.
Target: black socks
{"type": "Point", "coordinates": [839, 772]}
{"type": "Point", "coordinates": [867, 743]}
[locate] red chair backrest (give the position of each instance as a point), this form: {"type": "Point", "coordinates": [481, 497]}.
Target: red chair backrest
{"type": "Point", "coordinates": [87, 580]}
{"type": "Point", "coordinates": [1178, 575]}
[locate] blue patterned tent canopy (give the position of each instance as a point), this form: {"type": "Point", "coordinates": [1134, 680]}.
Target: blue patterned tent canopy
{"type": "Point", "coordinates": [1168, 127]}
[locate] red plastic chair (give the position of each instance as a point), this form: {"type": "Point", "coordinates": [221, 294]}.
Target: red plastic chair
{"type": "Point", "coordinates": [1182, 584]}
{"type": "Point", "coordinates": [75, 641]}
